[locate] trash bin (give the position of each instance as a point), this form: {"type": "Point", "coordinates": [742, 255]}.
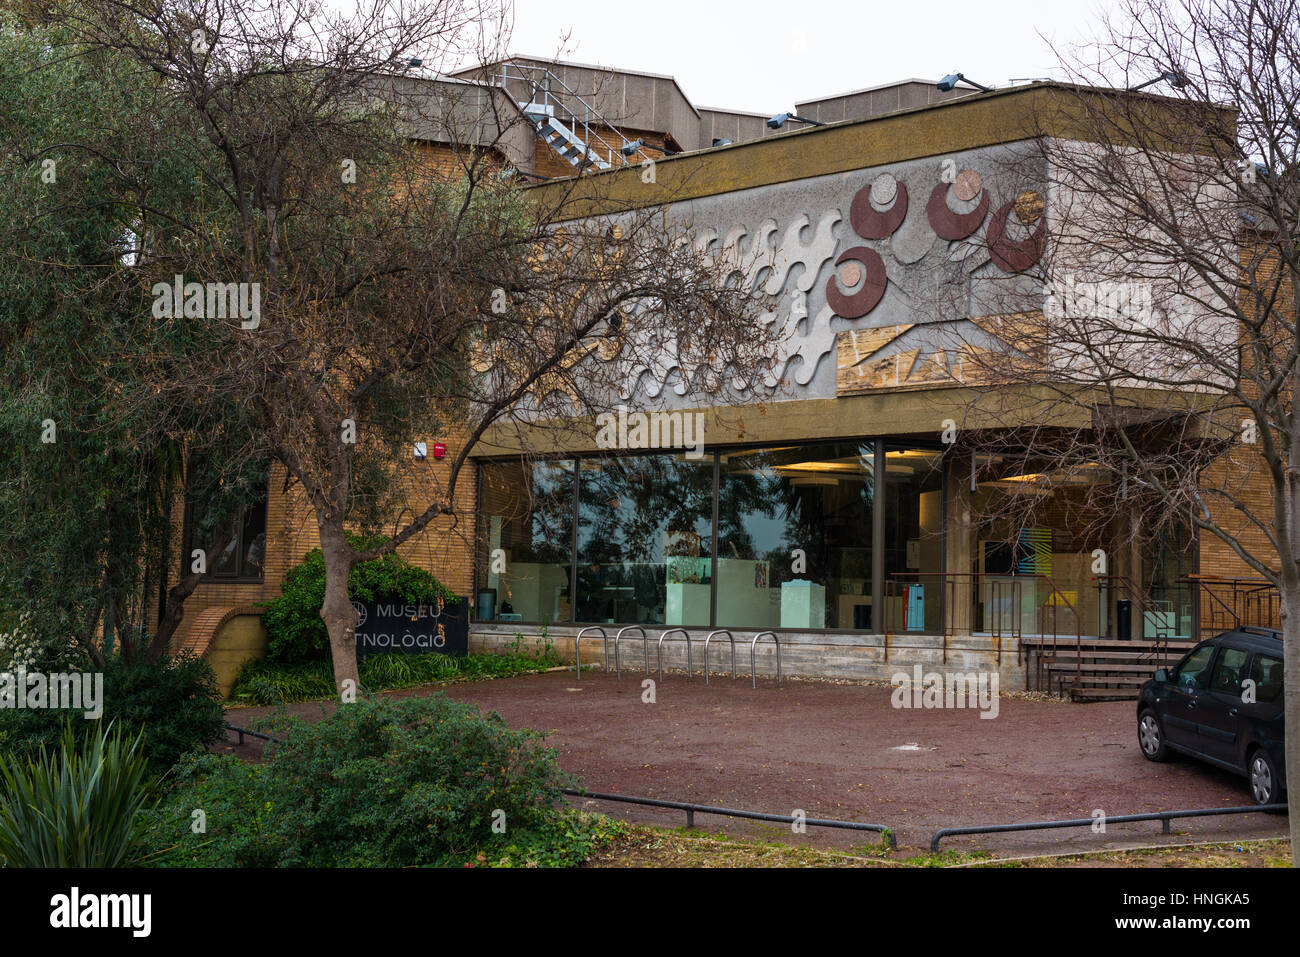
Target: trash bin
{"type": "Point", "coordinates": [1124, 619]}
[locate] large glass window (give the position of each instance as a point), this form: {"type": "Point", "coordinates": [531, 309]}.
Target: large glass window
{"type": "Point", "coordinates": [645, 539]}
{"type": "Point", "coordinates": [913, 539]}
{"type": "Point", "coordinates": [1033, 546]}
{"type": "Point", "coordinates": [526, 541]}
{"type": "Point", "coordinates": [794, 537]}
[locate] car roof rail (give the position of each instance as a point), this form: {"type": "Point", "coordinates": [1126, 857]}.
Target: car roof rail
{"type": "Point", "coordinates": [1259, 630]}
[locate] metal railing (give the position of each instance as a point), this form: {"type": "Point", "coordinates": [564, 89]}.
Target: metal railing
{"type": "Point", "coordinates": [887, 833]}
{"type": "Point", "coordinates": [1151, 612]}
{"type": "Point", "coordinates": [253, 734]}
{"type": "Point", "coordinates": [1003, 617]}
{"type": "Point", "coordinates": [1163, 817]}
{"type": "Point", "coordinates": [540, 80]}
{"type": "Point", "coordinates": [1225, 603]}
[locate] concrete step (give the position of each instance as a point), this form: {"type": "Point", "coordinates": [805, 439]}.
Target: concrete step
{"type": "Point", "coordinates": [1137, 644]}
{"type": "Point", "coordinates": [1097, 694]}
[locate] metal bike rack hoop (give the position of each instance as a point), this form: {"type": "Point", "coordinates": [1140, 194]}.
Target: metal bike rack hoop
{"type": "Point", "coordinates": [645, 646]}
{"type": "Point", "coordinates": [710, 637]}
{"type": "Point", "coordinates": [753, 669]}
{"type": "Point", "coordinates": [577, 647]}
{"type": "Point", "coordinates": [659, 652]}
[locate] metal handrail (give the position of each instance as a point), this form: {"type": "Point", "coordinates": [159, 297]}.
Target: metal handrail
{"type": "Point", "coordinates": [645, 646]}
{"type": "Point", "coordinates": [732, 639]}
{"type": "Point", "coordinates": [590, 113]}
{"type": "Point", "coordinates": [577, 647]}
{"type": "Point", "coordinates": [256, 734]}
{"type": "Point", "coordinates": [691, 809]}
{"type": "Point", "coordinates": [659, 653]}
{"type": "Point", "coordinates": [1163, 817]}
{"type": "Point", "coordinates": [753, 667]}
{"type": "Point", "coordinates": [1254, 601]}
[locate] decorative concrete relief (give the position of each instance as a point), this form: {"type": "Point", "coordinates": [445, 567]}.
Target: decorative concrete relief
{"type": "Point", "coordinates": [1018, 255]}
{"type": "Point", "coordinates": [870, 223]}
{"type": "Point", "coordinates": [860, 303]}
{"type": "Point", "coordinates": [833, 288]}
{"type": "Point", "coordinates": [951, 225]}
{"type": "Point", "coordinates": [793, 250]}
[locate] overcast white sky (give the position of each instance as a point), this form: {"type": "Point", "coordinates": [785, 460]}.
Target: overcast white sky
{"type": "Point", "coordinates": [763, 55]}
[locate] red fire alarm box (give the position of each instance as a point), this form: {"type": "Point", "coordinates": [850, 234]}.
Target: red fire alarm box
{"type": "Point", "coordinates": [439, 450]}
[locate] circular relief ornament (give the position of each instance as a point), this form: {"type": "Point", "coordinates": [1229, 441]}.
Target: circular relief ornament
{"type": "Point", "coordinates": [954, 226]}
{"type": "Point", "coordinates": [1011, 255]}
{"type": "Point", "coordinates": [873, 288]}
{"type": "Point", "coordinates": [871, 223]}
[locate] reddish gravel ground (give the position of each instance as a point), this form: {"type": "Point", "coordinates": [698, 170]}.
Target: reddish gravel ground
{"type": "Point", "coordinates": [834, 751]}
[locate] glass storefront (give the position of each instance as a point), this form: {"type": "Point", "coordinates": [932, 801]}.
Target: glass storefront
{"type": "Point", "coordinates": [794, 537]}
{"type": "Point", "coordinates": [634, 538]}
{"type": "Point", "coordinates": [645, 540]}
{"type": "Point", "coordinates": [526, 542]}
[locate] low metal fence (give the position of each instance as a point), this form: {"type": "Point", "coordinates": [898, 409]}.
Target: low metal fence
{"type": "Point", "coordinates": [1164, 817]}
{"type": "Point", "coordinates": [887, 833]}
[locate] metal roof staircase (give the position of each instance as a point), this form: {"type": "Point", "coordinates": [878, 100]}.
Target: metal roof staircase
{"type": "Point", "coordinates": [567, 122]}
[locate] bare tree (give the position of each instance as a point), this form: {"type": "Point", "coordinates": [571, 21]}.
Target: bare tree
{"type": "Point", "coordinates": [1156, 352]}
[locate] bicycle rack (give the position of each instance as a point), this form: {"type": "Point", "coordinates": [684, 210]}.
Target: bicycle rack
{"type": "Point", "coordinates": [577, 647]}
{"type": "Point", "coordinates": [732, 639]}
{"type": "Point", "coordinates": [659, 652]}
{"type": "Point", "coordinates": [645, 647]}
{"type": "Point", "coordinates": [753, 669]}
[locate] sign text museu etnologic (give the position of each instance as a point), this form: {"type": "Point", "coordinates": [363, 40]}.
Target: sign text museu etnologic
{"type": "Point", "coordinates": [388, 624]}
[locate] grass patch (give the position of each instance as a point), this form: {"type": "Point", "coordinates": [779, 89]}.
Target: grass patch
{"type": "Point", "coordinates": [641, 845]}
{"type": "Point", "coordinates": [263, 682]}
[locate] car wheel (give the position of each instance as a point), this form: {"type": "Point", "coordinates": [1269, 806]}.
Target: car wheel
{"type": "Point", "coordinates": [1151, 737]}
{"type": "Point", "coordinates": [1265, 785]}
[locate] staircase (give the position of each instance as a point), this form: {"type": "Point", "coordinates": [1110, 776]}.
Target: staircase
{"type": "Point", "coordinates": [562, 139]}
{"type": "Point", "coordinates": [1097, 669]}
{"type": "Point", "coordinates": [576, 139]}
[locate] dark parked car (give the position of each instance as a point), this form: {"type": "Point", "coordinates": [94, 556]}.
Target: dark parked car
{"type": "Point", "coordinates": [1223, 704]}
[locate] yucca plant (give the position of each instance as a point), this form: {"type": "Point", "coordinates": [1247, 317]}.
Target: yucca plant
{"type": "Point", "coordinates": [80, 806]}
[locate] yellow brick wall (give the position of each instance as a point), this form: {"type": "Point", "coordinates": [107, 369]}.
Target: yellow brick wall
{"type": "Point", "coordinates": [445, 548]}
{"type": "Point", "coordinates": [1243, 474]}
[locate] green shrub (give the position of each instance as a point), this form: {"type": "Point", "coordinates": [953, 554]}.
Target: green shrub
{"type": "Point", "coordinates": [82, 804]}
{"type": "Point", "coordinates": [263, 681]}
{"type": "Point", "coordinates": [173, 703]}
{"type": "Point", "coordinates": [293, 621]}
{"type": "Point", "coordinates": [381, 783]}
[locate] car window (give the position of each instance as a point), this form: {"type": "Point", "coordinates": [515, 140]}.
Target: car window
{"type": "Point", "coordinates": [1266, 672]}
{"type": "Point", "coordinates": [1229, 671]}
{"type": "Point", "coordinates": [1194, 672]}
